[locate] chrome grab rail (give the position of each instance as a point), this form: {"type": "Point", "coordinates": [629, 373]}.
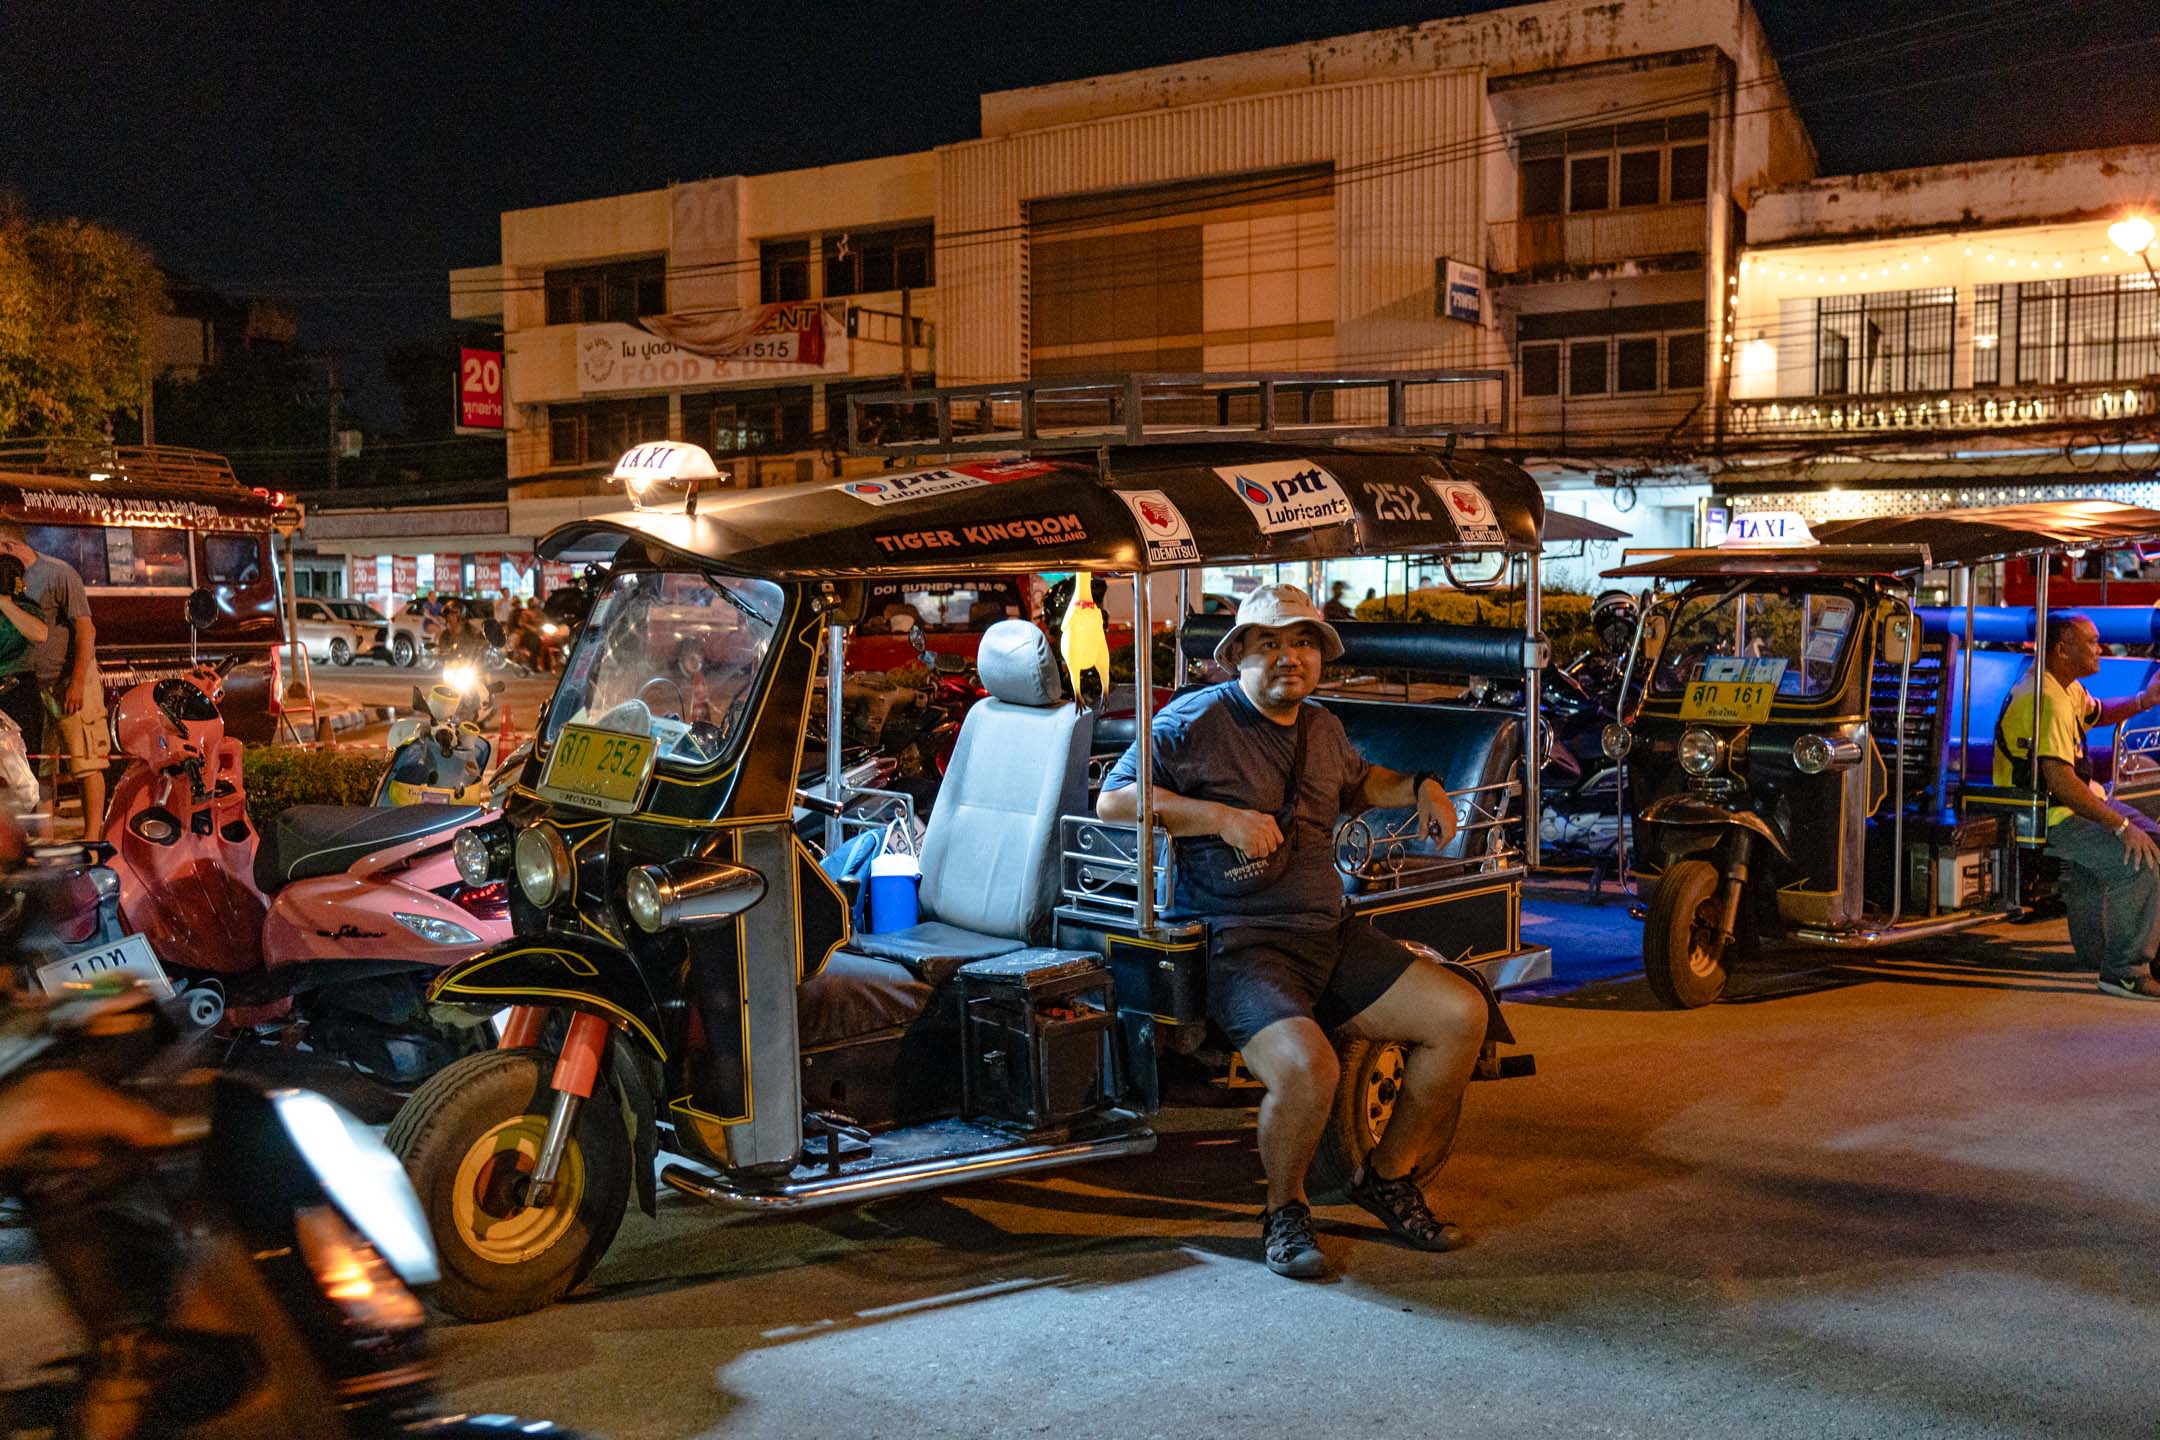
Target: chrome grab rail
{"type": "Point", "coordinates": [1383, 858]}
{"type": "Point", "coordinates": [1099, 867]}
{"type": "Point", "coordinates": [2137, 753]}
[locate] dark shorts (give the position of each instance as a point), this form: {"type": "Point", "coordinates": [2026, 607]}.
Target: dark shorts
{"type": "Point", "coordinates": [1258, 975]}
{"type": "Point", "coordinates": [21, 697]}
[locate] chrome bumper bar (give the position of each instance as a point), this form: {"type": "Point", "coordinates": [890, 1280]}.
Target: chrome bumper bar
{"type": "Point", "coordinates": [1899, 933]}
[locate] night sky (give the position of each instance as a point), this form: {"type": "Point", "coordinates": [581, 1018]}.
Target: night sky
{"type": "Point", "coordinates": [343, 158]}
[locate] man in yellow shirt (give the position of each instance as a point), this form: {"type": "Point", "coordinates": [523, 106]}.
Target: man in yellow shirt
{"type": "Point", "coordinates": [2110, 852]}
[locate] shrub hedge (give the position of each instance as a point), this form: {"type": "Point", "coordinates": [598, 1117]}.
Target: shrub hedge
{"type": "Point", "coordinates": [1567, 614]}
{"type": "Point", "coordinates": [279, 778]}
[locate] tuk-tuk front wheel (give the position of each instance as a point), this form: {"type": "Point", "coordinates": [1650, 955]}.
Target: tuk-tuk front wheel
{"type": "Point", "coordinates": [1683, 936]}
{"type": "Point", "coordinates": [1372, 1076]}
{"type": "Point", "coordinates": [469, 1139]}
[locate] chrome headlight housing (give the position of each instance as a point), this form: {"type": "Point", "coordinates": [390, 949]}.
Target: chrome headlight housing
{"type": "Point", "coordinates": [1701, 751]}
{"type": "Point", "coordinates": [542, 864]}
{"type": "Point", "coordinates": [1813, 754]}
{"type": "Point", "coordinates": [469, 848]}
{"type": "Point", "coordinates": [690, 891]}
{"type": "Point", "coordinates": [1616, 740]}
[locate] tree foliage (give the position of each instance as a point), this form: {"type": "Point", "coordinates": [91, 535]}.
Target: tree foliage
{"type": "Point", "coordinates": [78, 304]}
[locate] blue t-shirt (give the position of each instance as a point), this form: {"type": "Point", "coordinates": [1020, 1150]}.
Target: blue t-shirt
{"type": "Point", "coordinates": [1213, 744]}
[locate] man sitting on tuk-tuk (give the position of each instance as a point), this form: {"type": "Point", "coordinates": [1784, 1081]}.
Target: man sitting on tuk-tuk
{"type": "Point", "coordinates": [1250, 777]}
{"type": "Point", "coordinates": [2110, 852]}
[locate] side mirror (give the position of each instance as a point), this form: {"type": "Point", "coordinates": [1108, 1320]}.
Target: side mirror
{"type": "Point", "coordinates": [493, 630]}
{"type": "Point", "coordinates": [1897, 635]}
{"type": "Point", "coordinates": [202, 609]}
{"type": "Point", "coordinates": [1653, 636]}
{"type": "Point", "coordinates": [915, 638]}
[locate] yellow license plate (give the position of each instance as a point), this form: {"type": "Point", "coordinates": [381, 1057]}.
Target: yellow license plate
{"type": "Point", "coordinates": [1736, 702]}
{"type": "Point", "coordinates": [598, 769]}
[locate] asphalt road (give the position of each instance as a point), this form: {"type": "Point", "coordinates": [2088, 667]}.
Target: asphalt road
{"type": "Point", "coordinates": [1907, 1195]}
{"type": "Point", "coordinates": [375, 682]}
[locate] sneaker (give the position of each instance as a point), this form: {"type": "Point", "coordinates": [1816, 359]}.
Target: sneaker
{"type": "Point", "coordinates": [1400, 1206]}
{"type": "Point", "coordinates": [2134, 987]}
{"type": "Point", "coordinates": [1291, 1249]}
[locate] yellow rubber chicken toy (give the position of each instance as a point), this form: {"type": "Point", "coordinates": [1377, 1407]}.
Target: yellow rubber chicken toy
{"type": "Point", "coordinates": [1081, 641]}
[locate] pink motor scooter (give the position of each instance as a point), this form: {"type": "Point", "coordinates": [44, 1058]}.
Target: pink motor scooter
{"type": "Point", "coordinates": [324, 932]}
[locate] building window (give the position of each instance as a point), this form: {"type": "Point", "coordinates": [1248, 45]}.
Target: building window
{"type": "Point", "coordinates": [598, 432]}
{"type": "Point", "coordinates": [2093, 328]}
{"type": "Point", "coordinates": [1684, 361]}
{"type": "Point", "coordinates": [783, 270]}
{"type": "Point", "coordinates": [1889, 343]}
{"type": "Point", "coordinates": [1644, 162]}
{"type": "Point", "coordinates": [863, 263]}
{"type": "Point", "coordinates": [1636, 369]}
{"type": "Point", "coordinates": [1615, 350]}
{"type": "Point", "coordinates": [1587, 368]}
{"type": "Point", "coordinates": [1987, 335]}
{"type": "Point", "coordinates": [1589, 182]}
{"type": "Point", "coordinates": [1540, 370]}
{"type": "Point", "coordinates": [748, 422]}
{"type": "Point", "coordinates": [593, 294]}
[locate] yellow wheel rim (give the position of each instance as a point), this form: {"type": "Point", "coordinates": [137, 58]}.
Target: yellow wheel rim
{"type": "Point", "coordinates": [1383, 1082]}
{"type": "Point", "coordinates": [487, 1201]}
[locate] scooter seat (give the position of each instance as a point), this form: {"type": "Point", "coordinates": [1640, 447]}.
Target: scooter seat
{"type": "Point", "coordinates": [305, 841]}
{"type": "Point", "coordinates": [933, 950]}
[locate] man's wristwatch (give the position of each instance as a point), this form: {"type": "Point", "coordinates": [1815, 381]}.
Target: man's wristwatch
{"type": "Point", "coordinates": [2123, 828]}
{"type": "Point", "coordinates": [1417, 785]}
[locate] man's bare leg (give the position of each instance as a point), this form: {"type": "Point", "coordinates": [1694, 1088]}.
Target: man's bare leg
{"type": "Point", "coordinates": [1294, 1060]}
{"type": "Point", "coordinates": [1441, 1017]}
{"type": "Point", "coordinates": [93, 802]}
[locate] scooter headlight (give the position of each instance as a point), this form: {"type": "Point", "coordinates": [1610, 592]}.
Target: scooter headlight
{"type": "Point", "coordinates": [542, 863]}
{"type": "Point", "coordinates": [434, 931]}
{"type": "Point", "coordinates": [470, 851]}
{"type": "Point", "coordinates": [1616, 740]}
{"type": "Point", "coordinates": [460, 678]}
{"type": "Point", "coordinates": [1701, 751]}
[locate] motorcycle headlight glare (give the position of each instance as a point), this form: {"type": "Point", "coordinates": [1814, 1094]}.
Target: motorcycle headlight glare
{"type": "Point", "coordinates": [434, 931]}
{"type": "Point", "coordinates": [1700, 751]}
{"type": "Point", "coordinates": [542, 863]}
{"type": "Point", "coordinates": [353, 1274]}
{"type": "Point", "coordinates": [1616, 740]}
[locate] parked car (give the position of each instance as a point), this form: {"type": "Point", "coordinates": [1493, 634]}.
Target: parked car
{"type": "Point", "coordinates": [373, 625]}
{"type": "Point", "coordinates": [411, 635]}
{"type": "Point", "coordinates": [328, 635]}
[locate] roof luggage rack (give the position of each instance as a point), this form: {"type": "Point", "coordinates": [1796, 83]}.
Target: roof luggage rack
{"type": "Point", "coordinates": [81, 459]}
{"type": "Point", "coordinates": [1087, 412]}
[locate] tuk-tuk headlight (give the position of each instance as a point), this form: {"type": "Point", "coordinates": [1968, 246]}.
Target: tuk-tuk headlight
{"type": "Point", "coordinates": [474, 856]}
{"type": "Point", "coordinates": [1701, 751]}
{"type": "Point", "coordinates": [1813, 754]}
{"type": "Point", "coordinates": [542, 863]}
{"type": "Point", "coordinates": [1616, 740]}
{"type": "Point", "coordinates": [688, 892]}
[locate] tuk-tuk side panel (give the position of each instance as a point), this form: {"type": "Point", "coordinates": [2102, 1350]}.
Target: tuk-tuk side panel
{"type": "Point", "coordinates": [742, 1068]}
{"type": "Point", "coordinates": [1163, 973]}
{"type": "Point", "coordinates": [557, 969]}
{"type": "Point", "coordinates": [1468, 925]}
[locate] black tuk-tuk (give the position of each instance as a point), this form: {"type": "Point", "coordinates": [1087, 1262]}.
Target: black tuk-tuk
{"type": "Point", "coordinates": [1809, 757]}
{"type": "Point", "coordinates": [686, 976]}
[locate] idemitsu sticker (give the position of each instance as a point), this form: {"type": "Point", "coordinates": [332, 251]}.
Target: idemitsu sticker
{"type": "Point", "coordinates": [892, 489]}
{"type": "Point", "coordinates": [1169, 539]}
{"type": "Point", "coordinates": [1288, 495]}
{"type": "Point", "coordinates": [1471, 512]}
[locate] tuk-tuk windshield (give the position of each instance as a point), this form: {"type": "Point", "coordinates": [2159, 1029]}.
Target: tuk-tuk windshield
{"type": "Point", "coordinates": [1793, 635]}
{"type": "Point", "coordinates": [669, 655]}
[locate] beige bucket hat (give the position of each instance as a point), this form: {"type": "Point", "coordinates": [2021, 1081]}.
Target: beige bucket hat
{"type": "Point", "coordinates": [1276, 607]}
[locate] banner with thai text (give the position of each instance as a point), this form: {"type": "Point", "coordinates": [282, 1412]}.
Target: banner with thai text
{"type": "Point", "coordinates": [793, 341]}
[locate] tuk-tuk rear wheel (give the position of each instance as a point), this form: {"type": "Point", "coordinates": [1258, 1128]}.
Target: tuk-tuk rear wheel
{"type": "Point", "coordinates": [1372, 1075]}
{"type": "Point", "coordinates": [1683, 947]}
{"type": "Point", "coordinates": [469, 1138]}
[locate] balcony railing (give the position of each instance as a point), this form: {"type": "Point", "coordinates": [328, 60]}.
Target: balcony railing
{"type": "Point", "coordinates": [2027, 407]}
{"type": "Point", "coordinates": [1606, 237]}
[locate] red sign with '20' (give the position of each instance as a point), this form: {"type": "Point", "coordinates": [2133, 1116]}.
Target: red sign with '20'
{"type": "Point", "coordinates": [480, 389]}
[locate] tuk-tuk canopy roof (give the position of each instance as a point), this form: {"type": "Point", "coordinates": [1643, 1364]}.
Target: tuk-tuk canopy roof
{"type": "Point", "coordinates": [1155, 507]}
{"type": "Point", "coordinates": [87, 482]}
{"type": "Point", "coordinates": [1829, 560]}
{"type": "Point", "coordinates": [1971, 537]}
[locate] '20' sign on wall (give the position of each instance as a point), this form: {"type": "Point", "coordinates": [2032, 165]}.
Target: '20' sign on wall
{"type": "Point", "coordinates": [480, 389]}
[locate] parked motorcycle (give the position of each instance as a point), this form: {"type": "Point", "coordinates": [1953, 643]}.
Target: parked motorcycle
{"type": "Point", "coordinates": [324, 932]}
{"type": "Point", "coordinates": [240, 1260]}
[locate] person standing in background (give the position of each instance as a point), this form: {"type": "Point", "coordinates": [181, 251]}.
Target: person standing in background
{"type": "Point", "coordinates": [20, 700]}
{"type": "Point", "coordinates": [70, 726]}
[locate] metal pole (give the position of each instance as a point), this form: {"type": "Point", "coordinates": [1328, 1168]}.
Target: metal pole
{"type": "Point", "coordinates": [907, 339]}
{"type": "Point", "coordinates": [1533, 679]}
{"type": "Point", "coordinates": [1897, 822]}
{"type": "Point", "coordinates": [1964, 734]}
{"type": "Point", "coordinates": [2041, 566]}
{"type": "Point", "coordinates": [835, 663]}
{"type": "Point", "coordinates": [1177, 634]}
{"type": "Point", "coordinates": [1144, 744]}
